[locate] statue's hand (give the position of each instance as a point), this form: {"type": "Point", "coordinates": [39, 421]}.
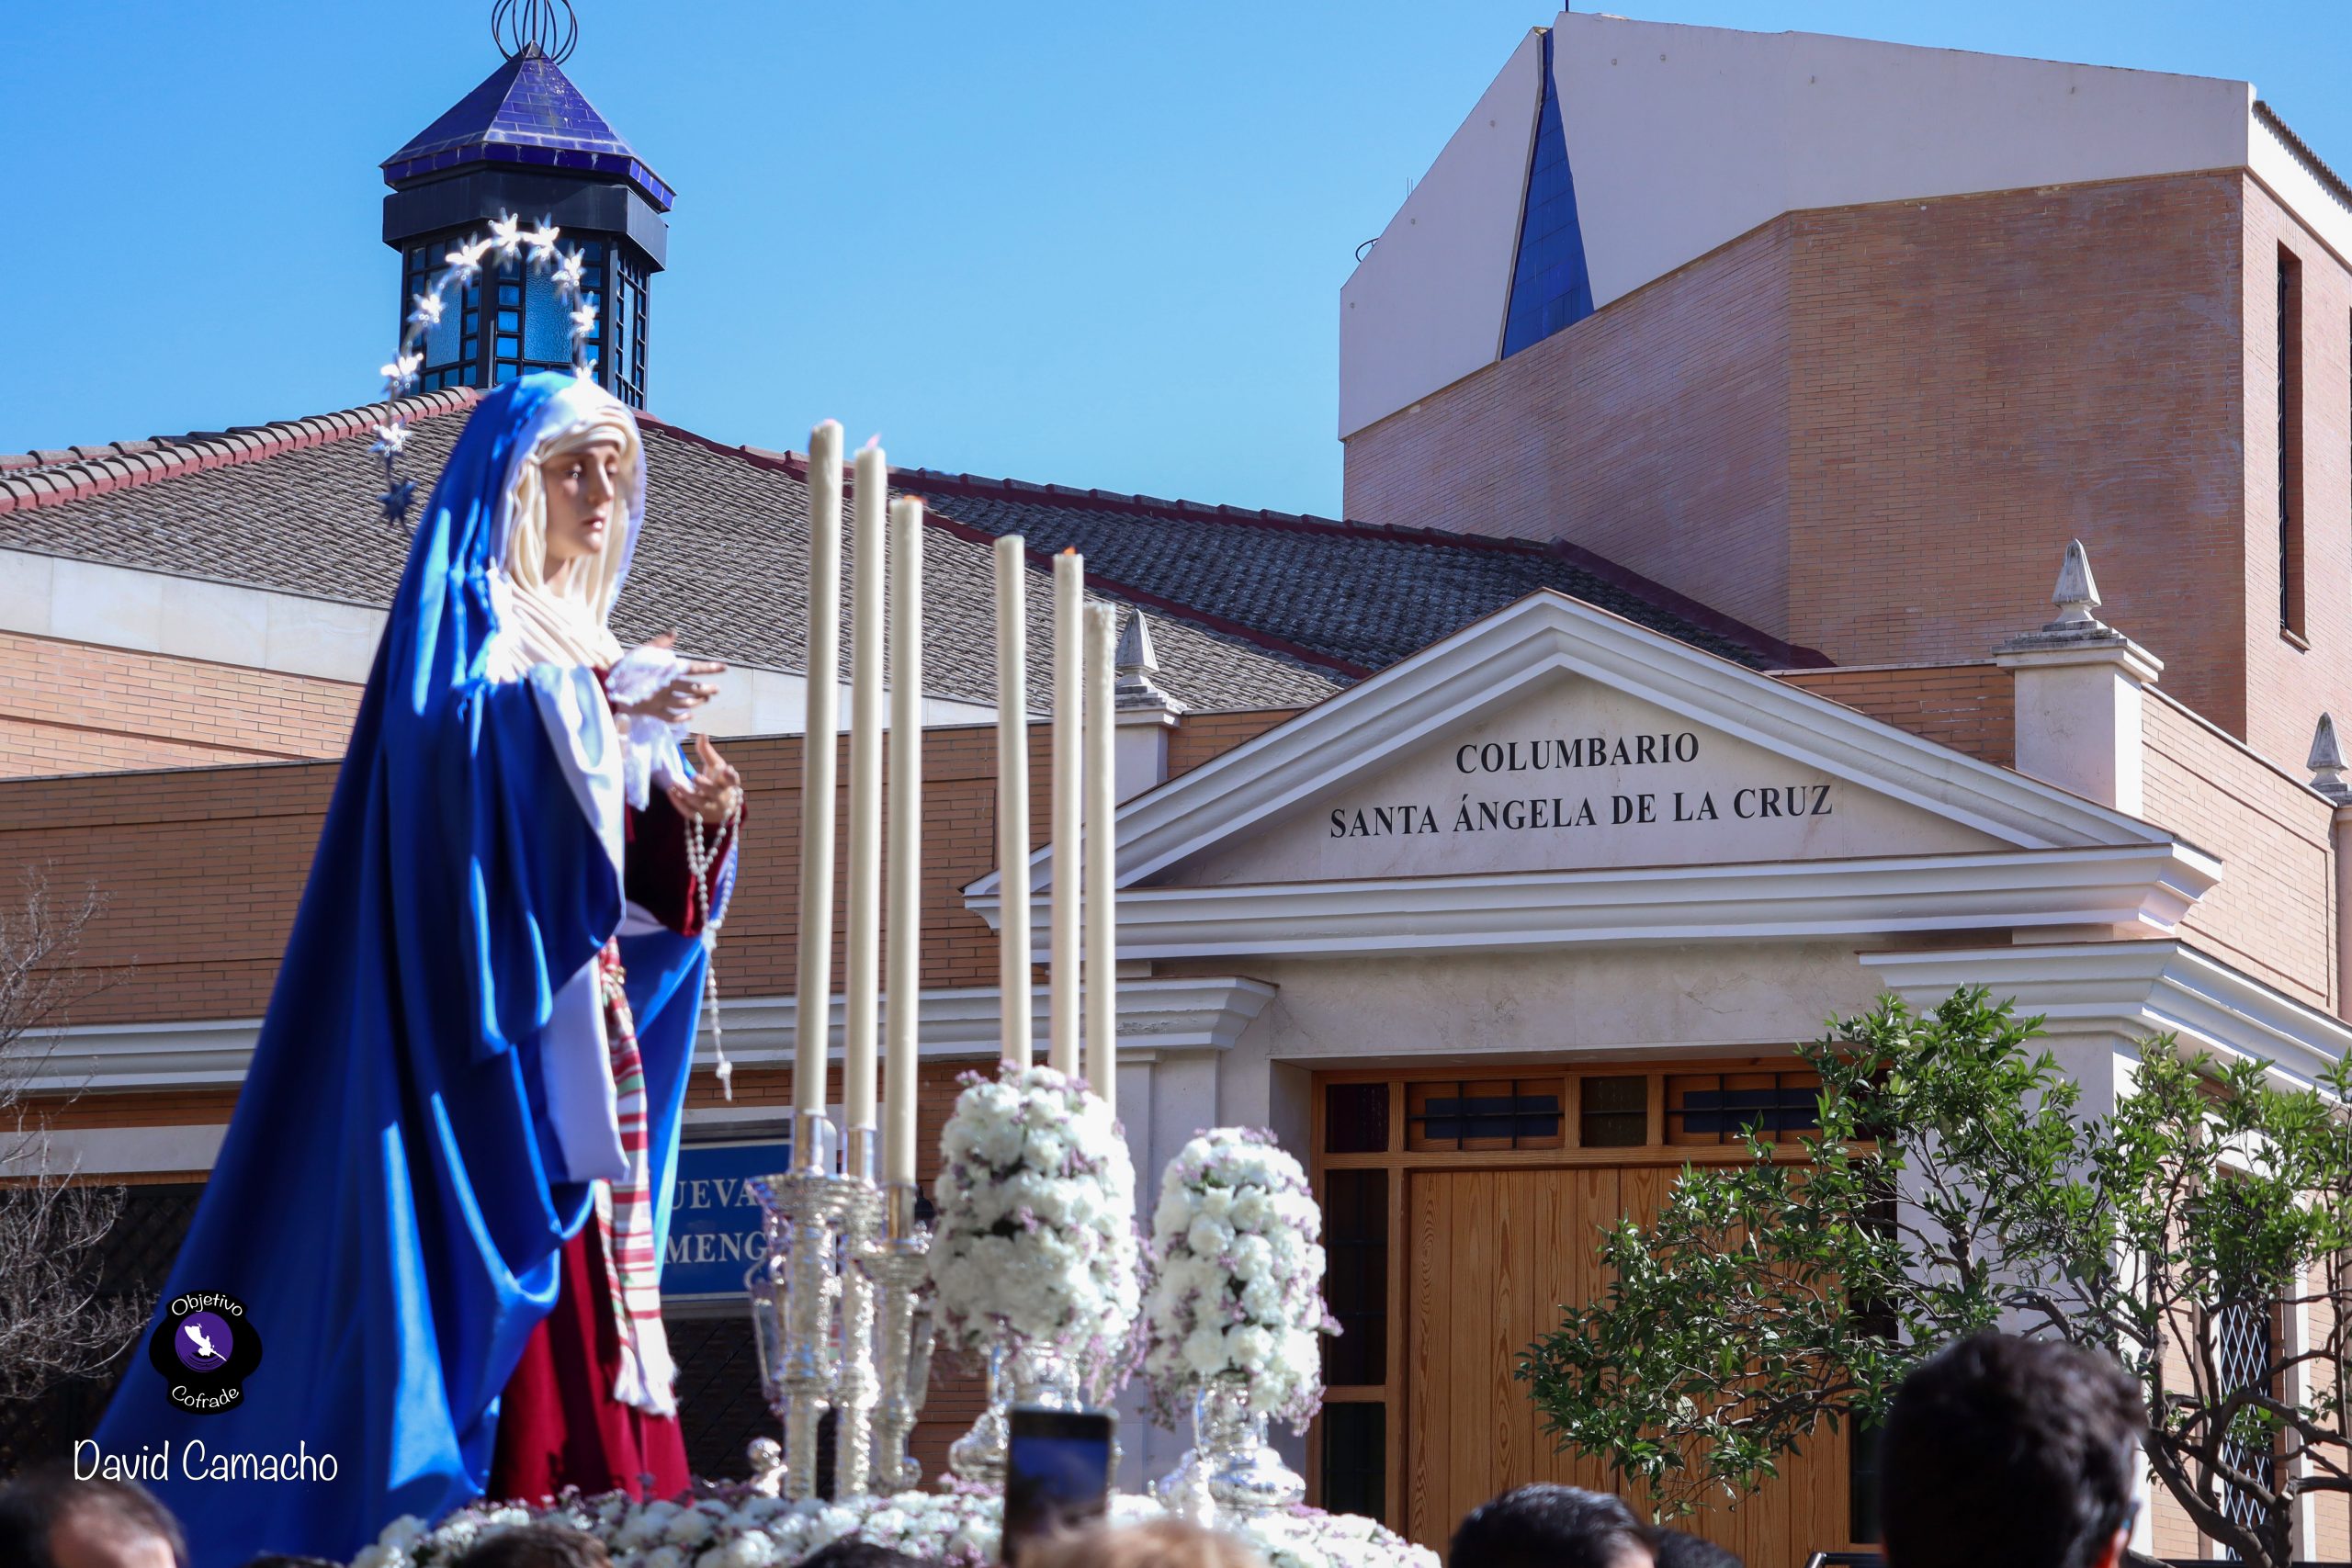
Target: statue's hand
{"type": "Point", "coordinates": [712, 795]}
{"type": "Point", "coordinates": [677, 698]}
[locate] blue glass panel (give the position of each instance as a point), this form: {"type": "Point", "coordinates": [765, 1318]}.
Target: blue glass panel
{"type": "Point", "coordinates": [547, 324]}
{"type": "Point", "coordinates": [1550, 287]}
{"type": "Point", "coordinates": [507, 373]}
{"type": "Point", "coordinates": [594, 250]}
{"type": "Point", "coordinates": [510, 294]}
{"type": "Point", "coordinates": [510, 320]}
{"type": "Point", "coordinates": [508, 348]}
{"type": "Point", "coordinates": [441, 340]}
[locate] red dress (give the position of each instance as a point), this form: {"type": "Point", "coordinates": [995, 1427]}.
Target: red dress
{"type": "Point", "coordinates": [558, 1423]}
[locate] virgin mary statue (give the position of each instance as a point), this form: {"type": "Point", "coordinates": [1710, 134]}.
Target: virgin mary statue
{"type": "Point", "coordinates": [432, 1238]}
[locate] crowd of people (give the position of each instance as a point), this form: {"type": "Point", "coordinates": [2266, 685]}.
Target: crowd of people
{"type": "Point", "coordinates": [1997, 1450]}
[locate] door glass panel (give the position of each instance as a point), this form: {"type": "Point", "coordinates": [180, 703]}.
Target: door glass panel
{"type": "Point", "coordinates": [1355, 1459]}
{"type": "Point", "coordinates": [1613, 1113]}
{"type": "Point", "coordinates": [1355, 1119]}
{"type": "Point", "coordinates": [1355, 1284]}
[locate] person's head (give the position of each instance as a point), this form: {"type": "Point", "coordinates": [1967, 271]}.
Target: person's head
{"type": "Point", "coordinates": [858, 1554]}
{"type": "Point", "coordinates": [573, 499]}
{"type": "Point", "coordinates": [2017, 1451]}
{"type": "Point", "coordinates": [1548, 1526]}
{"type": "Point", "coordinates": [537, 1546]}
{"type": "Point", "coordinates": [1678, 1548]}
{"type": "Point", "coordinates": [1161, 1543]}
{"type": "Point", "coordinates": [51, 1519]}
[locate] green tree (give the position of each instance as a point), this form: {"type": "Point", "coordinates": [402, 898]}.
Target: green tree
{"type": "Point", "coordinates": [1955, 1184]}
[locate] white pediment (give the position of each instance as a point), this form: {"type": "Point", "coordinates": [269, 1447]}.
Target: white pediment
{"type": "Point", "coordinates": [1551, 763]}
{"type": "Point", "coordinates": [1570, 774]}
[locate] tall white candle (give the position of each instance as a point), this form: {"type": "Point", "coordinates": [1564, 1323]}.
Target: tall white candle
{"type": "Point", "coordinates": [1101, 857]}
{"type": "Point", "coordinates": [864, 983]}
{"type": "Point", "coordinates": [813, 990]}
{"type": "Point", "coordinates": [1070, 600]}
{"type": "Point", "coordinates": [906, 841]}
{"type": "Point", "coordinates": [1012, 794]}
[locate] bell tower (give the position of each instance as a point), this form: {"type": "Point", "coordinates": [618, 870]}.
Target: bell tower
{"type": "Point", "coordinates": [526, 143]}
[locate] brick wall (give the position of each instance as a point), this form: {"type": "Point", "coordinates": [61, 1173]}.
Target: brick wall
{"type": "Point", "coordinates": [203, 868]}
{"type": "Point", "coordinates": [1208, 735]}
{"type": "Point", "coordinates": [1871, 430]}
{"type": "Point", "coordinates": [1969, 708]}
{"type": "Point", "coordinates": [1654, 433]}
{"type": "Point", "coordinates": [1976, 380]}
{"type": "Point", "coordinates": [2289, 685]}
{"type": "Point", "coordinates": [2273, 914]}
{"type": "Point", "coordinates": [73, 707]}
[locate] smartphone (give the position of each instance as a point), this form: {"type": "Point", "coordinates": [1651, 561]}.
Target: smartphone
{"type": "Point", "coordinates": [1056, 1472]}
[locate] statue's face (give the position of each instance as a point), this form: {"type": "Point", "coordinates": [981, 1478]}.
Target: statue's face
{"type": "Point", "coordinates": [582, 489]}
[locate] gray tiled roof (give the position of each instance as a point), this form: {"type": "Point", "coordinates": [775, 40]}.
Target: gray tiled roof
{"type": "Point", "coordinates": [719, 561]}
{"type": "Point", "coordinates": [1248, 609]}
{"type": "Point", "coordinates": [1365, 595]}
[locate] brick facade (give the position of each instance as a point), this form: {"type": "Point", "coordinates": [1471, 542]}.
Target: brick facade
{"type": "Point", "coordinates": [78, 707]}
{"type": "Point", "coordinates": [1871, 430]}
{"type": "Point", "coordinates": [1655, 433]}
{"type": "Point", "coordinates": [2273, 914]}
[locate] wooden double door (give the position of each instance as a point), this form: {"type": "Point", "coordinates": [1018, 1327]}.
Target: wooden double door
{"type": "Point", "coordinates": [1491, 1257]}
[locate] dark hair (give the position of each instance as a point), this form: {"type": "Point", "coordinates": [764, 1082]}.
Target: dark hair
{"type": "Point", "coordinates": [1548, 1526]}
{"type": "Point", "coordinates": [2009, 1450]}
{"type": "Point", "coordinates": [1676, 1549]}
{"type": "Point", "coordinates": [858, 1554]}
{"type": "Point", "coordinates": [36, 1503]}
{"type": "Point", "coordinates": [537, 1546]}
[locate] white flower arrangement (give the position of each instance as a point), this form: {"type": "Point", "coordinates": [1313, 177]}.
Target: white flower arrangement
{"type": "Point", "coordinates": [1034, 1241]}
{"type": "Point", "coordinates": [730, 1526]}
{"type": "Point", "coordinates": [1236, 1279]}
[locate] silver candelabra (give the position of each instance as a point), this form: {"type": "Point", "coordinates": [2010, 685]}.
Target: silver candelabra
{"type": "Point", "coordinates": [842, 1317]}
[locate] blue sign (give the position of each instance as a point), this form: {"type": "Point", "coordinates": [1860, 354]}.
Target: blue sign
{"type": "Point", "coordinates": [715, 1222]}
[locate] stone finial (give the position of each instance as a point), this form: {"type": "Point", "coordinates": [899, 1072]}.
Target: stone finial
{"type": "Point", "coordinates": [1134, 656]}
{"type": "Point", "coordinates": [1136, 664]}
{"type": "Point", "coordinates": [2076, 595]}
{"type": "Point", "coordinates": [2327, 762]}
{"type": "Point", "coordinates": [2078, 633]}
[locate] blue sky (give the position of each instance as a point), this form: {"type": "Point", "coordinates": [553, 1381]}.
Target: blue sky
{"type": "Point", "coordinates": [1083, 243]}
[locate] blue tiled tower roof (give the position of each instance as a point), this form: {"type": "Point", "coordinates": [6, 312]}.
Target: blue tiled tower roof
{"type": "Point", "coordinates": [525, 113]}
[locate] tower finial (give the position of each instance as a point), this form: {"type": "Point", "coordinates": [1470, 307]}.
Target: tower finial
{"type": "Point", "coordinates": [547, 28]}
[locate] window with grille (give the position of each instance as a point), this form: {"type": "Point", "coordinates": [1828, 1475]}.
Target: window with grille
{"type": "Point", "coordinates": [1493, 1114]}
{"type": "Point", "coordinates": [1725, 1108]}
{"type": "Point", "coordinates": [2243, 1353]}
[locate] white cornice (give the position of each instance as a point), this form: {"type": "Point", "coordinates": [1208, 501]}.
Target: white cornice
{"type": "Point", "coordinates": [2130, 990]}
{"type": "Point", "coordinates": [2149, 884]}
{"type": "Point", "coordinates": [1168, 1013]}
{"type": "Point", "coordinates": [1488, 662]}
